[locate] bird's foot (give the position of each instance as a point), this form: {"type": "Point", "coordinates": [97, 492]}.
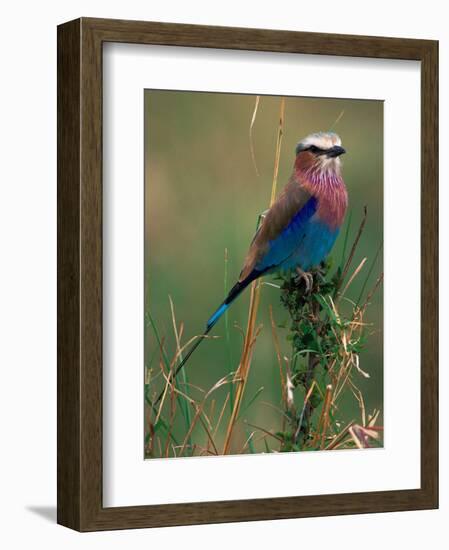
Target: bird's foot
{"type": "Point", "coordinates": [306, 277]}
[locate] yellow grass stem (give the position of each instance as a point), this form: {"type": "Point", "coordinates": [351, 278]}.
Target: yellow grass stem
{"type": "Point", "coordinates": [248, 345]}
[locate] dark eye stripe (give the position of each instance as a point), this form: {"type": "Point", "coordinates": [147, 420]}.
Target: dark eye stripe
{"type": "Point", "coordinates": [300, 148]}
{"type": "Point", "coordinates": [315, 149]}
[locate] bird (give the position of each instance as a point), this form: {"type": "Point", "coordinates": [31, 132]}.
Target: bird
{"type": "Point", "coordinates": [300, 228]}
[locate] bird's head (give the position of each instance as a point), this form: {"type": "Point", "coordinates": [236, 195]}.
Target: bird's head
{"type": "Point", "coordinates": [319, 152]}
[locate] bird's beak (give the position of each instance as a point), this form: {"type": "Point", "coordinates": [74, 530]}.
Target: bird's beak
{"type": "Point", "coordinates": [335, 151]}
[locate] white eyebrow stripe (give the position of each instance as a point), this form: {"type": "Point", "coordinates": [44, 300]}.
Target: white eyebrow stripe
{"type": "Point", "coordinates": [322, 140]}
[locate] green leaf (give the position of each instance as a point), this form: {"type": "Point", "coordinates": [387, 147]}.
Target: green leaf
{"type": "Point", "coordinates": [267, 449]}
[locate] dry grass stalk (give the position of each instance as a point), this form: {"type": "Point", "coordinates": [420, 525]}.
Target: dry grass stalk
{"type": "Point", "coordinates": [245, 363]}
{"type": "Point", "coordinates": [372, 419]}
{"type": "Point", "coordinates": [248, 345]}
{"type": "Point", "coordinates": [337, 120]}
{"type": "Point", "coordinates": [325, 414]}
{"type": "Point", "coordinates": [251, 143]}
{"type": "Point", "coordinates": [323, 421]}
{"type": "Point", "coordinates": [359, 396]}
{"type": "Point", "coordinates": [350, 334]}
{"type": "Point", "coordinates": [221, 414]}
{"type": "Point", "coordinates": [267, 432]}
{"type": "Point", "coordinates": [251, 436]}
{"type": "Point", "coordinates": [372, 292]}
{"type": "Point", "coordinates": [178, 336]}
{"type": "Point", "coordinates": [341, 369]}
{"type": "Point", "coordinates": [212, 410]}
{"type": "Point", "coordinates": [169, 379]}
{"type": "Point", "coordinates": [361, 435]}
{"type": "Point", "coordinates": [353, 249]}
{"type": "Point", "coordinates": [200, 415]}
{"type": "Point", "coordinates": [278, 151]}
{"type": "Point", "coordinates": [279, 356]}
{"type": "Point", "coordinates": [353, 276]}
{"type": "Point", "coordinates": [338, 439]}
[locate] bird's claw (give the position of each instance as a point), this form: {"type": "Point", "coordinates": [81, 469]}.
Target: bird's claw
{"type": "Point", "coordinates": [306, 277]}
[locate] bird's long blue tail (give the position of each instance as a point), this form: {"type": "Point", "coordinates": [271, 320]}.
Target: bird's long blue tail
{"type": "Point", "coordinates": [235, 291]}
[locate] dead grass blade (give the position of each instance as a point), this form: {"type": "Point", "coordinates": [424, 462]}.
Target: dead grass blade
{"type": "Point", "coordinates": [353, 276]}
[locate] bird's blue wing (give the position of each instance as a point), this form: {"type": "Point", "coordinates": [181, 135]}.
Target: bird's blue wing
{"type": "Point", "coordinates": [286, 244]}
{"type": "Point", "coordinates": [279, 232]}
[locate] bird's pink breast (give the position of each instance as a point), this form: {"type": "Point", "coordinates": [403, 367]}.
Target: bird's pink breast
{"type": "Point", "coordinates": [328, 187]}
{"type": "Point", "coordinates": [332, 213]}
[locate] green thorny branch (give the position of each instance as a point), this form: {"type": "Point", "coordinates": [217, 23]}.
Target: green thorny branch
{"type": "Point", "coordinates": [325, 347]}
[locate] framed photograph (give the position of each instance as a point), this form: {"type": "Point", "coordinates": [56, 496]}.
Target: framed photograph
{"type": "Point", "coordinates": [247, 272]}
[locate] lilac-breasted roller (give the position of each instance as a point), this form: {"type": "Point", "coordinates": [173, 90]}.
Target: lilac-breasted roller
{"type": "Point", "coordinates": [300, 228]}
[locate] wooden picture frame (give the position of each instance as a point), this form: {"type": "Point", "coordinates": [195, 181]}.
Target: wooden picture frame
{"type": "Point", "coordinates": [80, 503]}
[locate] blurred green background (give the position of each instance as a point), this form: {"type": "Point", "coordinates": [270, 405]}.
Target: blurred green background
{"type": "Point", "coordinates": [203, 195]}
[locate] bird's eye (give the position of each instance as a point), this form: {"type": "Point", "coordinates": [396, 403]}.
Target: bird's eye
{"type": "Point", "coordinates": [314, 149]}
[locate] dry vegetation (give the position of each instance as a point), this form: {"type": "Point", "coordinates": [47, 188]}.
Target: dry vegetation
{"type": "Point", "coordinates": [327, 333]}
